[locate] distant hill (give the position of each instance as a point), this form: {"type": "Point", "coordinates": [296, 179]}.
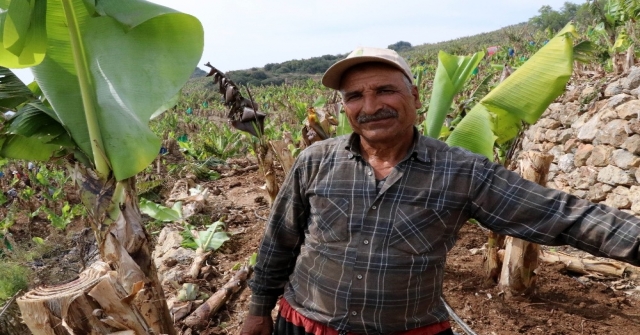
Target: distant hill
{"type": "Point", "coordinates": [303, 69]}
{"type": "Point", "coordinates": [198, 73]}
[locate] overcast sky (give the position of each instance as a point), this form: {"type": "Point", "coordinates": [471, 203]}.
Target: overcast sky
{"type": "Point", "coordinates": [240, 34]}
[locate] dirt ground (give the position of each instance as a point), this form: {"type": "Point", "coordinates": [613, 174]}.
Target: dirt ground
{"type": "Point", "coordinates": [563, 303]}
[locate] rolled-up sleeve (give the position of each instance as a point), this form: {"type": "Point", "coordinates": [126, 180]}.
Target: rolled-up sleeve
{"type": "Point", "coordinates": [510, 205]}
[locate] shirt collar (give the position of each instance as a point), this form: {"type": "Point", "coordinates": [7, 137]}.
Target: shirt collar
{"type": "Point", "coordinates": [418, 149]}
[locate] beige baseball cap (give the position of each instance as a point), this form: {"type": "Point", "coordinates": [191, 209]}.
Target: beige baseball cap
{"type": "Point", "coordinates": [361, 55]}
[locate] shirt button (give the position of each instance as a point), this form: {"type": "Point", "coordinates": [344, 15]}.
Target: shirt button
{"type": "Point", "coordinates": [359, 276]}
{"type": "Point", "coordinates": [354, 313]}
{"type": "Point", "coordinates": [350, 155]}
{"type": "Point", "coordinates": [374, 207]}
{"type": "Point", "coordinates": [369, 173]}
{"type": "Point", "coordinates": [365, 241]}
{"type": "Point", "coordinates": [413, 159]}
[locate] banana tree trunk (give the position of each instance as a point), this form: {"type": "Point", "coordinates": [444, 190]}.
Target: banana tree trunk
{"type": "Point", "coordinates": [119, 293]}
{"type": "Point", "coordinates": [265, 161]}
{"type": "Point", "coordinates": [521, 257]}
{"type": "Point", "coordinates": [492, 263]}
{"type": "Point", "coordinates": [629, 60]}
{"type": "Point", "coordinates": [495, 242]}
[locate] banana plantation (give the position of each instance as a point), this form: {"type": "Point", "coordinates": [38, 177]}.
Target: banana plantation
{"type": "Point", "coordinates": [139, 212]}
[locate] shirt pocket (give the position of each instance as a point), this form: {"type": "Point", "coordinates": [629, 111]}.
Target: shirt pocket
{"type": "Point", "coordinates": [417, 230]}
{"type": "Point", "coordinates": [329, 219]}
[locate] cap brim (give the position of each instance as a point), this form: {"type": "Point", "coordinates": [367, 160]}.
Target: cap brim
{"type": "Point", "coordinates": [333, 76]}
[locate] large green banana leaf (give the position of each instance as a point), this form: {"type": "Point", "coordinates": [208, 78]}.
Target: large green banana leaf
{"type": "Point", "coordinates": [23, 39]}
{"type": "Point", "coordinates": [523, 96]}
{"type": "Point", "coordinates": [109, 65]}
{"type": "Point", "coordinates": [451, 74]}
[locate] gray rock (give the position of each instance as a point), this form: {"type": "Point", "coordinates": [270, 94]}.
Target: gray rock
{"type": "Point", "coordinates": [572, 94]}
{"type": "Point", "coordinates": [553, 111]}
{"type": "Point", "coordinates": [635, 92]}
{"type": "Point", "coordinates": [526, 142]}
{"type": "Point", "coordinates": [570, 143]}
{"type": "Point", "coordinates": [614, 176]}
{"type": "Point", "coordinates": [172, 275]}
{"type": "Point", "coordinates": [633, 127]}
{"type": "Point", "coordinates": [588, 94]}
{"type": "Point", "coordinates": [181, 255]}
{"type": "Point", "coordinates": [634, 198]}
{"type": "Point", "coordinates": [629, 110]}
{"type": "Point", "coordinates": [167, 240]}
{"type": "Point", "coordinates": [598, 192]}
{"type": "Point", "coordinates": [590, 129]}
{"type": "Point", "coordinates": [546, 147]}
{"type": "Point", "coordinates": [632, 81]}
{"type": "Point", "coordinates": [539, 134]}
{"type": "Point", "coordinates": [614, 88]}
{"type": "Point", "coordinates": [608, 114]}
{"type": "Point", "coordinates": [583, 177]}
{"type": "Point", "coordinates": [612, 133]}
{"type": "Point", "coordinates": [569, 114]}
{"type": "Point", "coordinates": [582, 194]}
{"type": "Point", "coordinates": [600, 155]}
{"type": "Point", "coordinates": [565, 163]}
{"type": "Point", "coordinates": [624, 159]}
{"type": "Point", "coordinates": [618, 100]}
{"type": "Point", "coordinates": [582, 154]}
{"type": "Point", "coordinates": [618, 198]}
{"type": "Point", "coordinates": [632, 144]}
{"type": "Point", "coordinates": [556, 151]}
{"type": "Point", "coordinates": [548, 123]}
{"type": "Point", "coordinates": [551, 135]}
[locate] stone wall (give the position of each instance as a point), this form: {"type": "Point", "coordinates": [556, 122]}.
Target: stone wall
{"type": "Point", "coordinates": [594, 136]}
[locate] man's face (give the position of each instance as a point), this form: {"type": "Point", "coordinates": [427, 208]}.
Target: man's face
{"type": "Point", "coordinates": [379, 105]}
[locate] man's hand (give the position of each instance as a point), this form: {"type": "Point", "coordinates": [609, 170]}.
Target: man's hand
{"type": "Point", "coordinates": [257, 325]}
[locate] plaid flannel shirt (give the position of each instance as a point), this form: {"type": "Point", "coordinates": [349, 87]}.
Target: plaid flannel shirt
{"type": "Point", "coordinates": [372, 262]}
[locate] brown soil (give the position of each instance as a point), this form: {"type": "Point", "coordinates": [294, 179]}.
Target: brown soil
{"type": "Point", "coordinates": [562, 303]}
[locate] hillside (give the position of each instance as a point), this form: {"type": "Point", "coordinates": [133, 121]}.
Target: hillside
{"type": "Point", "coordinates": [313, 68]}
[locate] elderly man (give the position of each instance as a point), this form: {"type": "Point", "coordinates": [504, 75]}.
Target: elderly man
{"type": "Point", "coordinates": [358, 236]}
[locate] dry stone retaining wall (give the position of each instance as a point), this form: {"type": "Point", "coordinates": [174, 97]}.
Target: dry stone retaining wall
{"type": "Point", "coordinates": [594, 136]}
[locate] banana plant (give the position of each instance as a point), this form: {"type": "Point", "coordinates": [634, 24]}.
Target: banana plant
{"type": "Point", "coordinates": [104, 67]}
{"type": "Point", "coordinates": [522, 97]}
{"type": "Point", "coordinates": [451, 75]}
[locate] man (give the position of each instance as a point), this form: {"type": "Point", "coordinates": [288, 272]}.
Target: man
{"type": "Point", "coordinates": [357, 239]}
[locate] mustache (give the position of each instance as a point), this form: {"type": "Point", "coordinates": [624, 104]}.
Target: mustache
{"type": "Point", "coordinates": [380, 114]}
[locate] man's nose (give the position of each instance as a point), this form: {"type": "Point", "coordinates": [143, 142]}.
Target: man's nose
{"type": "Point", "coordinates": [371, 104]}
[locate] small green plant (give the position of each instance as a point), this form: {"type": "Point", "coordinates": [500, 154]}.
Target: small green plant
{"type": "Point", "coordinates": [67, 214]}
{"type": "Point", "coordinates": [207, 240]}
{"type": "Point", "coordinates": [13, 278]}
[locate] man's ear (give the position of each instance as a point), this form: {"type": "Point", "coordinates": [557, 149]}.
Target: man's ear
{"type": "Point", "coordinates": [416, 96]}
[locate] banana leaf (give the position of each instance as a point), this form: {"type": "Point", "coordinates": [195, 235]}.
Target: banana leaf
{"type": "Point", "coordinates": [12, 91]}
{"type": "Point", "coordinates": [100, 70]}
{"type": "Point", "coordinates": [213, 237]}
{"type": "Point", "coordinates": [23, 39]}
{"type": "Point", "coordinates": [161, 213]}
{"type": "Point", "coordinates": [343, 128]}
{"type": "Point", "coordinates": [523, 96]}
{"type": "Point", "coordinates": [451, 75]}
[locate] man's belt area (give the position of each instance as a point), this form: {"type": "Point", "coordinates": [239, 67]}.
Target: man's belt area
{"type": "Point", "coordinates": [314, 327]}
